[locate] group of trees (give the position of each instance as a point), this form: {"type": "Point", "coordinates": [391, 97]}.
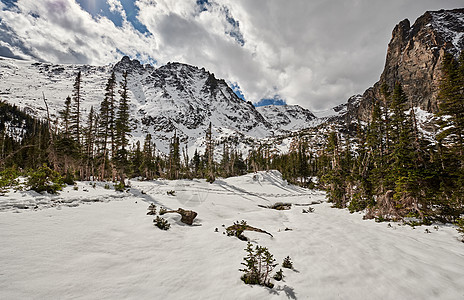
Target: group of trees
{"type": "Point", "coordinates": [392, 168]}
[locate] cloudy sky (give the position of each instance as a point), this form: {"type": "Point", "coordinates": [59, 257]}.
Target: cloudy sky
{"type": "Point", "coordinates": [315, 53]}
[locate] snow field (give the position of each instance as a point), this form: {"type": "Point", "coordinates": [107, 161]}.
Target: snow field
{"type": "Point", "coordinates": [111, 250]}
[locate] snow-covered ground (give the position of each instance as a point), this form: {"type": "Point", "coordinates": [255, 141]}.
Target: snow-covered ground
{"type": "Point", "coordinates": [95, 243]}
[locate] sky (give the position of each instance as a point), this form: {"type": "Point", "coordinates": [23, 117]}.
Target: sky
{"type": "Point", "coordinates": [314, 53]}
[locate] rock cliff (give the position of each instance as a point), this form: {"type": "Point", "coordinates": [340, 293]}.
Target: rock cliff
{"type": "Point", "coordinates": [414, 59]}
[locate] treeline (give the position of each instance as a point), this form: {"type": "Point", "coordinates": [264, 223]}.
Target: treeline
{"type": "Point", "coordinates": [391, 168]}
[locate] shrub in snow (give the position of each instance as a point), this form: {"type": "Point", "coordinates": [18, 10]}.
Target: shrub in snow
{"type": "Point", "coordinates": [69, 178]}
{"type": "Point", "coordinates": [460, 224]}
{"type": "Point", "coordinates": [279, 275]}
{"type": "Point", "coordinates": [161, 223]}
{"type": "Point", "coordinates": [287, 263]}
{"type": "Point", "coordinates": [162, 211]}
{"type": "Point", "coordinates": [45, 179]}
{"type": "Point", "coordinates": [171, 193]}
{"type": "Point", "coordinates": [151, 209]}
{"type": "Point", "coordinates": [259, 263]}
{"type": "Point", "coordinates": [119, 187]}
{"type": "Point", "coordinates": [8, 178]}
{"type": "Point", "coordinates": [309, 210]}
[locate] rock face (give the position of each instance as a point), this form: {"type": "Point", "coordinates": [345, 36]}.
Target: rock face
{"type": "Point", "coordinates": [414, 59]}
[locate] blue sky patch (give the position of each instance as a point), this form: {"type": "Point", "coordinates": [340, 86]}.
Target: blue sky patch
{"type": "Point", "coordinates": [101, 8]}
{"type": "Point", "coordinates": [236, 88]}
{"type": "Point", "coordinates": [9, 3]}
{"type": "Point", "coordinates": [271, 101]}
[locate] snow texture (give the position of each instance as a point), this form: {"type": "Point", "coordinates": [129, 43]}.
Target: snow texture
{"type": "Point", "coordinates": [105, 246]}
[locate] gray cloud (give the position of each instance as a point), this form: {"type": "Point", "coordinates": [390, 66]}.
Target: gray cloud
{"type": "Point", "coordinates": [313, 53]}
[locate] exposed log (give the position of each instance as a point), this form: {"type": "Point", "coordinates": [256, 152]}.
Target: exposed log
{"type": "Point", "coordinates": [240, 227]}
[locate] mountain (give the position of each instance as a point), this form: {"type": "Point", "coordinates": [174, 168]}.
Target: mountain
{"type": "Point", "coordinates": [414, 59]}
{"type": "Point", "coordinates": [288, 117]}
{"type": "Point", "coordinates": [172, 98]}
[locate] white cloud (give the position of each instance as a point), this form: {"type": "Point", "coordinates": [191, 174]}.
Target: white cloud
{"type": "Point", "coordinates": [313, 53]}
{"type": "Point", "coordinates": [116, 6]}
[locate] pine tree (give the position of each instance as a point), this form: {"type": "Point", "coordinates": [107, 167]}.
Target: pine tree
{"type": "Point", "coordinates": [89, 142]}
{"type": "Point", "coordinates": [65, 116]}
{"type": "Point", "coordinates": [123, 129]}
{"type": "Point", "coordinates": [174, 157]}
{"type": "Point", "coordinates": [122, 120]}
{"type": "Point", "coordinates": [75, 118]}
{"type": "Point", "coordinates": [148, 159]}
{"type": "Point", "coordinates": [209, 153]}
{"type": "Point", "coordinates": [106, 125]}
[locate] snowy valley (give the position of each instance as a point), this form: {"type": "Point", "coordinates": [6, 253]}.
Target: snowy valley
{"type": "Point", "coordinates": [99, 243]}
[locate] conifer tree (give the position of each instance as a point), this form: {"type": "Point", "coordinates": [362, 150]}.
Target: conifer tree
{"type": "Point", "coordinates": [65, 116]}
{"type": "Point", "coordinates": [174, 157]}
{"type": "Point", "coordinates": [75, 119]}
{"type": "Point", "coordinates": [89, 142]}
{"type": "Point", "coordinates": [123, 129]}
{"type": "Point", "coordinates": [209, 154]}
{"type": "Point", "coordinates": [106, 125]}
{"type": "Point", "coordinates": [148, 159]}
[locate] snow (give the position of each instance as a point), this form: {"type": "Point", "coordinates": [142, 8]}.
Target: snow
{"type": "Point", "coordinates": [288, 117]}
{"type": "Point", "coordinates": [111, 250]}
{"type": "Point", "coordinates": [450, 25]}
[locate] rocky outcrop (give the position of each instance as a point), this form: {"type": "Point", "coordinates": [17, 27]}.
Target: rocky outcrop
{"type": "Point", "coordinates": [414, 59]}
{"type": "Point", "coordinates": [187, 216]}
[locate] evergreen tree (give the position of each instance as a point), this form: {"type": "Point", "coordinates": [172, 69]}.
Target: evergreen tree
{"type": "Point", "coordinates": [122, 120]}
{"type": "Point", "coordinates": [148, 159]}
{"type": "Point", "coordinates": [174, 157]}
{"type": "Point", "coordinates": [65, 116]}
{"type": "Point", "coordinates": [89, 142]}
{"type": "Point", "coordinates": [75, 118]}
{"type": "Point", "coordinates": [209, 154]}
{"type": "Point", "coordinates": [123, 129]}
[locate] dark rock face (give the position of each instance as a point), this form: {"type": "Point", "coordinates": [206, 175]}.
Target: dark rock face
{"type": "Point", "coordinates": [414, 59]}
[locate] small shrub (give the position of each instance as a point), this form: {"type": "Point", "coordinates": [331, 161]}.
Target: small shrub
{"type": "Point", "coordinates": [76, 188]}
{"type": "Point", "coordinates": [259, 263]}
{"type": "Point", "coordinates": [162, 211]}
{"type": "Point", "coordinates": [161, 223]}
{"type": "Point", "coordinates": [8, 178]}
{"type": "Point", "coordinates": [151, 209]}
{"type": "Point", "coordinates": [460, 224]}
{"type": "Point", "coordinates": [45, 179]}
{"type": "Point", "coordinates": [107, 186]}
{"type": "Point", "coordinates": [287, 263]}
{"type": "Point", "coordinates": [69, 178]}
{"type": "Point", "coordinates": [119, 187]}
{"type": "Point", "coordinates": [279, 275]}
{"type": "Point", "coordinates": [171, 193]}
{"type": "Point", "coordinates": [309, 210]}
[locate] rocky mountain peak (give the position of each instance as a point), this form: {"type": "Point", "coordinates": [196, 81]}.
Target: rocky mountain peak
{"type": "Point", "coordinates": [414, 59]}
{"type": "Point", "coordinates": [129, 65]}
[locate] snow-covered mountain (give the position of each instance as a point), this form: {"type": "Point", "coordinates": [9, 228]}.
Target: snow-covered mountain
{"type": "Point", "coordinates": [288, 117]}
{"type": "Point", "coordinates": [172, 98]}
